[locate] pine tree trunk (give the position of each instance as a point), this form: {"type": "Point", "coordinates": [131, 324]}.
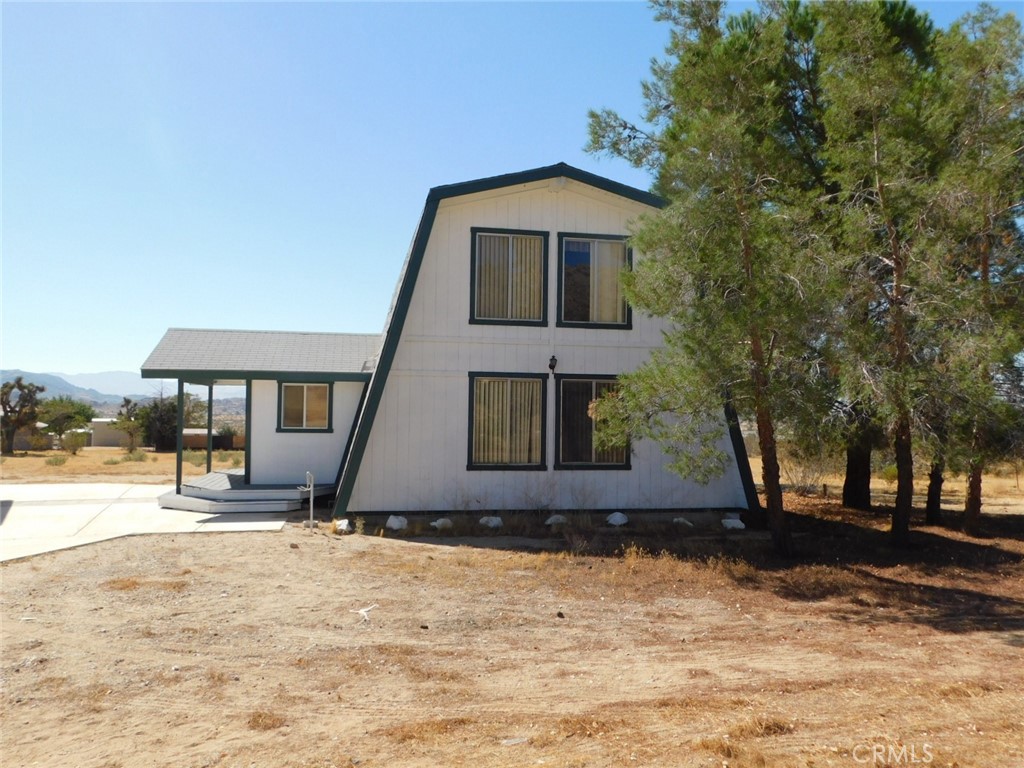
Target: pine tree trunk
{"type": "Point", "coordinates": [900, 532]}
{"type": "Point", "coordinates": [778, 522]}
{"type": "Point", "coordinates": [857, 483]}
{"type": "Point", "coordinates": [972, 506]}
{"type": "Point", "coordinates": [933, 507]}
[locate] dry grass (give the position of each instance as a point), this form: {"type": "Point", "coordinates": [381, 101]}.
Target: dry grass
{"type": "Point", "coordinates": [761, 726]}
{"type": "Point", "coordinates": [583, 726]}
{"type": "Point", "coordinates": [429, 730]}
{"type": "Point", "coordinates": [132, 583]}
{"type": "Point", "coordinates": [262, 720]}
{"type": "Point", "coordinates": [123, 584]}
{"type": "Point", "coordinates": [103, 465]}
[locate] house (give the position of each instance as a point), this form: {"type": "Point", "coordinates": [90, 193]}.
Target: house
{"type": "Point", "coordinates": [508, 320]}
{"type": "Point", "coordinates": [105, 436]}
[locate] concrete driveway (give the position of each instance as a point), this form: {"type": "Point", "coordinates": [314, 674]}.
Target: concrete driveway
{"type": "Point", "coordinates": [37, 518]}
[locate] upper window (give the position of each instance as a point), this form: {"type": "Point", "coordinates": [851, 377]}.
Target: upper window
{"type": "Point", "coordinates": [576, 449]}
{"type": "Point", "coordinates": [590, 288]}
{"type": "Point", "coordinates": [506, 429]}
{"type": "Point", "coordinates": [508, 268]}
{"type": "Point", "coordinates": [305, 406]}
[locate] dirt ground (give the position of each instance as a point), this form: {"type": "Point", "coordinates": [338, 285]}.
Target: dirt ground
{"type": "Point", "coordinates": [250, 650]}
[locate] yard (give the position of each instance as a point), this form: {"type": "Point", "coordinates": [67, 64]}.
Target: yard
{"type": "Point", "coordinates": [100, 465]}
{"type": "Point", "coordinates": [251, 650]}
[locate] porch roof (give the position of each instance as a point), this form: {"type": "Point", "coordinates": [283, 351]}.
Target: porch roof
{"type": "Point", "coordinates": [207, 356]}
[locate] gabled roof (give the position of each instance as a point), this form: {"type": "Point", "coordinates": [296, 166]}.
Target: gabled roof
{"type": "Point", "coordinates": [207, 355]}
{"type": "Point", "coordinates": [556, 171]}
{"type": "Point", "coordinates": [407, 282]}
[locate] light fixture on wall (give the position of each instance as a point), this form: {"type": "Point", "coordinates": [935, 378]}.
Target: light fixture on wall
{"type": "Point", "coordinates": [552, 363]}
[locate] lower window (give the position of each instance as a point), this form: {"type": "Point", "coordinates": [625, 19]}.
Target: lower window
{"type": "Point", "coordinates": [576, 448]}
{"type": "Point", "coordinates": [305, 406]}
{"type": "Point", "coordinates": [506, 427]}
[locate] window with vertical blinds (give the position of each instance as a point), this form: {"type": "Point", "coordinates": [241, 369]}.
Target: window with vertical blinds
{"type": "Point", "coordinates": [508, 277]}
{"type": "Point", "coordinates": [506, 421]}
{"type": "Point", "coordinates": [576, 448]}
{"type": "Point", "coordinates": [589, 279]}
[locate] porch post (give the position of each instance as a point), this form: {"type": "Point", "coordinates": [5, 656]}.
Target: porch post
{"type": "Point", "coordinates": [209, 429]}
{"type": "Point", "coordinates": [181, 435]}
{"type": "Point", "coordinates": [248, 431]}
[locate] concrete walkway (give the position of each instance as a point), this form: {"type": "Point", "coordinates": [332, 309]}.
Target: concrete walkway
{"type": "Point", "coordinates": [40, 517]}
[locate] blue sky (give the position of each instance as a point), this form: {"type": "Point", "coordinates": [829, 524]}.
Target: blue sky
{"type": "Point", "coordinates": [264, 165]}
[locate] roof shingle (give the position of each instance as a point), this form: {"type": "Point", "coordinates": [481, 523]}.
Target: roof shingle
{"type": "Point", "coordinates": [208, 351]}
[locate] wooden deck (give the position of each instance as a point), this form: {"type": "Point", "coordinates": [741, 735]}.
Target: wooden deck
{"type": "Point", "coordinates": [226, 491]}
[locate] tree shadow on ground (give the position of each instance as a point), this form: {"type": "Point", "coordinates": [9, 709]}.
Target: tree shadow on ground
{"type": "Point", "coordinates": [945, 580]}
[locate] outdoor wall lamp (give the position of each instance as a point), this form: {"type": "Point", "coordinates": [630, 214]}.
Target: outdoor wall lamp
{"type": "Point", "coordinates": [552, 363]}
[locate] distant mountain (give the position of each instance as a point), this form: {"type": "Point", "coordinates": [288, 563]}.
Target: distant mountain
{"type": "Point", "coordinates": [123, 383]}
{"type": "Point", "coordinates": [57, 386]}
{"type": "Point", "coordinates": [111, 387]}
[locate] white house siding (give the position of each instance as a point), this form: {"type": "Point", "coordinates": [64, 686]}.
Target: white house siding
{"type": "Point", "coordinates": [285, 457]}
{"type": "Point", "coordinates": [416, 455]}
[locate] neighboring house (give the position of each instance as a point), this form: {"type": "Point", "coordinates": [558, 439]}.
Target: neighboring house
{"type": "Point", "coordinates": [104, 435]}
{"type": "Point", "coordinates": [508, 321]}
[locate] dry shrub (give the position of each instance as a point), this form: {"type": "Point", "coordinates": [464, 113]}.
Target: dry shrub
{"type": "Point", "coordinates": [720, 746]}
{"type": "Point", "coordinates": [583, 726]}
{"type": "Point", "coordinates": [737, 571]}
{"type": "Point", "coordinates": [95, 696]}
{"type": "Point", "coordinates": [633, 556]}
{"type": "Point", "coordinates": [760, 726]}
{"type": "Point", "coordinates": [216, 677]}
{"type": "Point", "coordinates": [680, 704]}
{"type": "Point", "coordinates": [261, 720]}
{"type": "Point", "coordinates": [819, 582]}
{"type": "Point", "coordinates": [737, 755]}
{"type": "Point", "coordinates": [428, 730]}
{"type": "Point", "coordinates": [964, 690]}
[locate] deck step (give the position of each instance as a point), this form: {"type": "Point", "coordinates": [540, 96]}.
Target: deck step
{"type": "Point", "coordinates": [254, 493]}
{"type": "Point", "coordinates": [230, 485]}
{"type": "Point", "coordinates": [217, 507]}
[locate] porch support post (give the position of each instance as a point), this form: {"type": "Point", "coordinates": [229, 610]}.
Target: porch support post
{"type": "Point", "coordinates": [181, 435]}
{"type": "Point", "coordinates": [248, 431]}
{"type": "Point", "coordinates": [209, 429]}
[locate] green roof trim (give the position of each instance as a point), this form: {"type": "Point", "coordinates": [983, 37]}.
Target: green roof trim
{"type": "Point", "coordinates": [559, 170]}
{"type": "Point", "coordinates": [739, 449]}
{"type": "Point", "coordinates": [213, 377]}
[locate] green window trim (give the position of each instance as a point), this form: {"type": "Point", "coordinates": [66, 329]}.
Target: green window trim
{"type": "Point", "coordinates": [564, 306]}
{"type": "Point", "coordinates": [477, 316]}
{"type": "Point", "coordinates": [618, 459]}
{"type": "Point", "coordinates": [507, 401]}
{"type": "Point", "coordinates": [303, 399]}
